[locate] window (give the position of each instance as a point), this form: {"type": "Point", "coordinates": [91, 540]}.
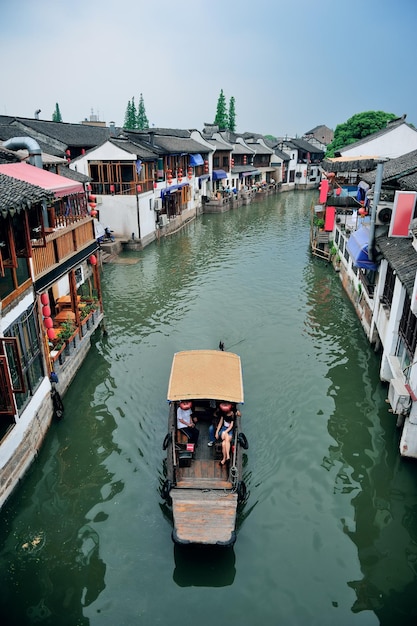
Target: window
{"type": "Point", "coordinates": [25, 360]}
{"type": "Point", "coordinates": [408, 329]}
{"type": "Point", "coordinates": [389, 285]}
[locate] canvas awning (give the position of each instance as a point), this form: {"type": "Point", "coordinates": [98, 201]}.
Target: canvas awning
{"type": "Point", "coordinates": [329, 218]}
{"type": "Point", "coordinates": [252, 173]}
{"type": "Point", "coordinates": [196, 159]}
{"type": "Point", "coordinates": [59, 185]}
{"type": "Point", "coordinates": [168, 190]}
{"type": "Point", "coordinates": [206, 375]}
{"type": "Point", "coordinates": [357, 246]}
{"type": "Point", "coordinates": [219, 174]}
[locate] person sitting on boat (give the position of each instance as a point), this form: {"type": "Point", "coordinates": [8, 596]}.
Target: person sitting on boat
{"type": "Point", "coordinates": [223, 409]}
{"type": "Point", "coordinates": [186, 422]}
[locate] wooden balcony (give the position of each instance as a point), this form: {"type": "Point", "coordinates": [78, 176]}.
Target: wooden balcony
{"type": "Point", "coordinates": [61, 244]}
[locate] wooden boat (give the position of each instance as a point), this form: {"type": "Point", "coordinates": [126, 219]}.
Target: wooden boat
{"type": "Point", "coordinates": [204, 494]}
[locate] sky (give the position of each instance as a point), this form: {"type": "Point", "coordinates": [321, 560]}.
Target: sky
{"type": "Point", "coordinates": [290, 65]}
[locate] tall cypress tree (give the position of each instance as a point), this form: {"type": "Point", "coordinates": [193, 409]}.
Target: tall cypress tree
{"type": "Point", "coordinates": [221, 119]}
{"type": "Point", "coordinates": [232, 115]}
{"type": "Point", "coordinates": [130, 115]}
{"type": "Point", "coordinates": [56, 115]}
{"type": "Point", "coordinates": [142, 121]}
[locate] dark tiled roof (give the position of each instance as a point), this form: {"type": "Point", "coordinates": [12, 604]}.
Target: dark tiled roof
{"type": "Point", "coordinates": [10, 132]}
{"type": "Point", "coordinates": [395, 169]}
{"type": "Point", "coordinates": [135, 147]}
{"type": "Point", "coordinates": [164, 132]}
{"type": "Point", "coordinates": [169, 142]}
{"type": "Point", "coordinates": [408, 183]}
{"type": "Point", "coordinates": [81, 135]}
{"type": "Point", "coordinates": [401, 256]}
{"type": "Point", "coordinates": [8, 156]}
{"type": "Point", "coordinates": [17, 194]}
{"type": "Point", "coordinates": [306, 146]}
{"type": "Point", "coordinates": [64, 170]}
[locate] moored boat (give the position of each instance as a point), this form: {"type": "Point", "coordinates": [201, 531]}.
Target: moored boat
{"type": "Point", "coordinates": [203, 486]}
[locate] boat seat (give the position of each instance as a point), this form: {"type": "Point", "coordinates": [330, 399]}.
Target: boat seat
{"type": "Point", "coordinates": [181, 437]}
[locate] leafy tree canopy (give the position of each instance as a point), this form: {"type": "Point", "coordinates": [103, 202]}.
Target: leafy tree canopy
{"type": "Point", "coordinates": [271, 137]}
{"type": "Point", "coordinates": [56, 115]}
{"type": "Point", "coordinates": [357, 127]}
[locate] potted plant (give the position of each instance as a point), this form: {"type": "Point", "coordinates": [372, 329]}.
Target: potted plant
{"type": "Point", "coordinates": [66, 332]}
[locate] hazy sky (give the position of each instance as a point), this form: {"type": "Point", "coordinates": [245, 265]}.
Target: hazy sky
{"type": "Point", "coordinates": [290, 64]}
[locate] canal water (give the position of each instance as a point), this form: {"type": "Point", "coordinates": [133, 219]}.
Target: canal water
{"type": "Point", "coordinates": [328, 534]}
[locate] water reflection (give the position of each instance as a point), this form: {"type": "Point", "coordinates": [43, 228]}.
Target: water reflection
{"type": "Point", "coordinates": [365, 463]}
{"type": "Point", "coordinates": [204, 566]}
{"type": "Point", "coordinates": [52, 549]}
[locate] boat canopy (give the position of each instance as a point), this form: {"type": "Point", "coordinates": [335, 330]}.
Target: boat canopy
{"type": "Point", "coordinates": [206, 375]}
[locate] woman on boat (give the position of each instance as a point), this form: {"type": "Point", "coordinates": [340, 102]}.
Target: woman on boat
{"type": "Point", "coordinates": [225, 430]}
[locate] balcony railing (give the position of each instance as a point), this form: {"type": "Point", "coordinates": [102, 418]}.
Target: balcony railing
{"type": "Point", "coordinates": [61, 243]}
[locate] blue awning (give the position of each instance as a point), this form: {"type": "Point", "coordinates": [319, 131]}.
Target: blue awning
{"type": "Point", "coordinates": [357, 246]}
{"type": "Point", "coordinates": [196, 159]}
{"type": "Point", "coordinates": [204, 177]}
{"type": "Point", "coordinates": [168, 190]}
{"type": "Point", "coordinates": [219, 174]}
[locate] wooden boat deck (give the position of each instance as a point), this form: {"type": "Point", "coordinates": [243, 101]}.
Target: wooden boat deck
{"type": "Point", "coordinates": [204, 517]}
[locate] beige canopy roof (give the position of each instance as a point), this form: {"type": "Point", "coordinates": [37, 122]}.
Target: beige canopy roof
{"type": "Point", "coordinates": [206, 374]}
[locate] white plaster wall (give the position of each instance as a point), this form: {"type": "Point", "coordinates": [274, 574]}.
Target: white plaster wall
{"type": "Point", "coordinates": [105, 152]}
{"type": "Point", "coordinates": [400, 140]}
{"type": "Point", "coordinates": [120, 214]}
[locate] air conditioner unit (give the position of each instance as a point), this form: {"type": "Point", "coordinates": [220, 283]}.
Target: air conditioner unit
{"type": "Point", "coordinates": [383, 213]}
{"type": "Point", "coordinates": [157, 204]}
{"type": "Point", "coordinates": [99, 200]}
{"type": "Point", "coordinates": [163, 219]}
{"type": "Point", "coordinates": [398, 397]}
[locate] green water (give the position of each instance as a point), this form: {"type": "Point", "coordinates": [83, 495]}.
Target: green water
{"type": "Point", "coordinates": [328, 535]}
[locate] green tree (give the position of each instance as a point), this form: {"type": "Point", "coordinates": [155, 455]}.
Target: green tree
{"type": "Point", "coordinates": [221, 119]}
{"type": "Point", "coordinates": [232, 115]}
{"type": "Point", "coordinates": [56, 115]}
{"type": "Point", "coordinates": [142, 120]}
{"type": "Point", "coordinates": [130, 116]}
{"type": "Point", "coordinates": [271, 137]}
{"type": "Point", "coordinates": [357, 127]}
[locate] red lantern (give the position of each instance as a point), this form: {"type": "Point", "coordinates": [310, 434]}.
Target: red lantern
{"type": "Point", "coordinates": [93, 213]}
{"type": "Point", "coordinates": [112, 189]}
{"type": "Point", "coordinates": [244, 159]}
{"type": "Point", "coordinates": [91, 198]}
{"type": "Point", "coordinates": [48, 322]}
{"type": "Point", "coordinates": [88, 187]}
{"type": "Point", "coordinates": [46, 311]}
{"type": "Point", "coordinates": [93, 259]}
{"type": "Point", "coordinates": [92, 205]}
{"type": "Point", "coordinates": [51, 333]}
{"type": "Point", "coordinates": [190, 172]}
{"type": "Point", "coordinates": [155, 185]}
{"type": "Point", "coordinates": [139, 188]}
{"type": "Point", "coordinates": [45, 298]}
{"type": "Point", "coordinates": [206, 167]}
{"type": "Point", "coordinates": [338, 191]}
{"type": "Point", "coordinates": [362, 212]}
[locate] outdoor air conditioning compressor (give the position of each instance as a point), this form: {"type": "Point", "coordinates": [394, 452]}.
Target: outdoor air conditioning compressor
{"type": "Point", "coordinates": [383, 213]}
{"type": "Point", "coordinates": [398, 397]}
